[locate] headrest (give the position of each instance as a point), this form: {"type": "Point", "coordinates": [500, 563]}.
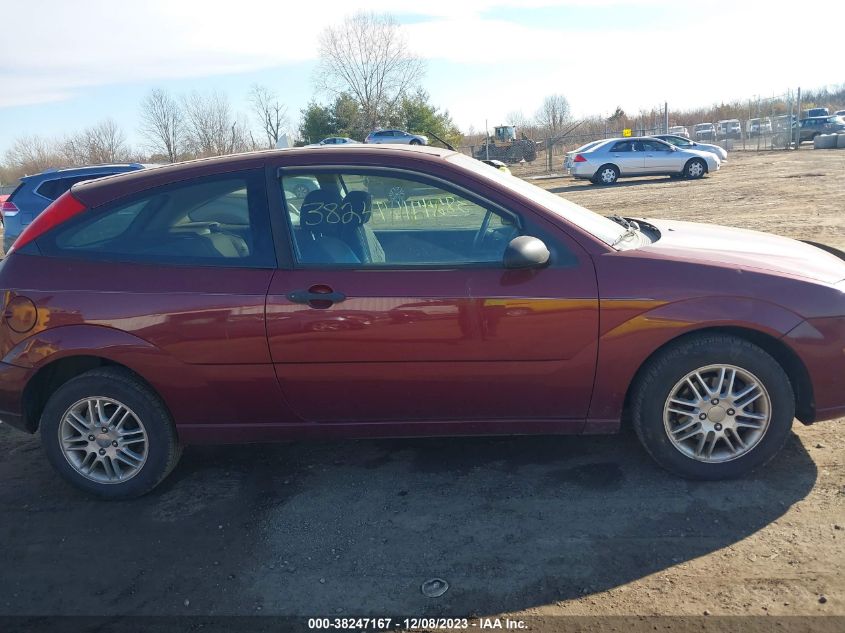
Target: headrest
{"type": "Point", "coordinates": [320, 210]}
{"type": "Point", "coordinates": [357, 208]}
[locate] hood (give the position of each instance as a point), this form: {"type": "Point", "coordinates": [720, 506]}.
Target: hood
{"type": "Point", "coordinates": [712, 149]}
{"type": "Point", "coordinates": [702, 153]}
{"type": "Point", "coordinates": [749, 250]}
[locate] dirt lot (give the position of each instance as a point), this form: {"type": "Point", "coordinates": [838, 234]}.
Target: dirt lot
{"type": "Point", "coordinates": [796, 194]}
{"type": "Point", "coordinates": [534, 526]}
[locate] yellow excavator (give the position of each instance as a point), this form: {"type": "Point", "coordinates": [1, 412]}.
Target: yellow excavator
{"type": "Point", "coordinates": [504, 145]}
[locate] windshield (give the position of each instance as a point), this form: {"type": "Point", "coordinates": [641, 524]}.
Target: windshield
{"type": "Point", "coordinates": [604, 229]}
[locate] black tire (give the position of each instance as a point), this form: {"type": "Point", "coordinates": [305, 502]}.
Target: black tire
{"type": "Point", "coordinates": [691, 168]}
{"type": "Point", "coordinates": [415, 142]}
{"type": "Point", "coordinates": [657, 379]}
{"type": "Point", "coordinates": [602, 176]}
{"type": "Point", "coordinates": [163, 449]}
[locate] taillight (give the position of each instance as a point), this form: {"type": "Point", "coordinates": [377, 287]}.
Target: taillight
{"type": "Point", "coordinates": [61, 210]}
{"type": "Point", "coordinates": [579, 158]}
{"type": "Point", "coordinates": [9, 209]}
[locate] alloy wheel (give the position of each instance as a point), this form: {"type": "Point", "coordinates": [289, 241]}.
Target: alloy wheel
{"type": "Point", "coordinates": [717, 413]}
{"type": "Point", "coordinates": [103, 440]}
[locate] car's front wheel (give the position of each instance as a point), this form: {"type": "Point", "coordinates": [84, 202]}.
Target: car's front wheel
{"type": "Point", "coordinates": [695, 168]}
{"type": "Point", "coordinates": [109, 434]}
{"type": "Point", "coordinates": [713, 407]}
{"type": "Point", "coordinates": [415, 141]}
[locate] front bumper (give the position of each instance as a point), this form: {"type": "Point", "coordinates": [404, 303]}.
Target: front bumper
{"type": "Point", "coordinates": [12, 382]}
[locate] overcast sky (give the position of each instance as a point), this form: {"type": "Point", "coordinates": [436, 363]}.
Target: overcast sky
{"type": "Point", "coordinates": [65, 65]}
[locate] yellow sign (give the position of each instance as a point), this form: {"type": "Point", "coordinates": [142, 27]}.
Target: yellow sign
{"type": "Point", "coordinates": [626, 132]}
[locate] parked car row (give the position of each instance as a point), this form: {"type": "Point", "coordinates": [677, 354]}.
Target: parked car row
{"type": "Point", "coordinates": [757, 126]}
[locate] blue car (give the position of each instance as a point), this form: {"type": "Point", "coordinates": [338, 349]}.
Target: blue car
{"type": "Point", "coordinates": [35, 193]}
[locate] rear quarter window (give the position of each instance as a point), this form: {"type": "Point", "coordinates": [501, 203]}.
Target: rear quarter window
{"type": "Point", "coordinates": [215, 221]}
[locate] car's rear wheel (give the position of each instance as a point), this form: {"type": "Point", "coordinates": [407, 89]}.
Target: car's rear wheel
{"type": "Point", "coordinates": [695, 168]}
{"type": "Point", "coordinates": [606, 175]}
{"type": "Point", "coordinates": [415, 142]}
{"type": "Point", "coordinates": [713, 407]}
{"type": "Point", "coordinates": [109, 434]}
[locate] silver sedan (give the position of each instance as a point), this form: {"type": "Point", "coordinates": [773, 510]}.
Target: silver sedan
{"type": "Point", "coordinates": [396, 136]}
{"type": "Point", "coordinates": [617, 158]}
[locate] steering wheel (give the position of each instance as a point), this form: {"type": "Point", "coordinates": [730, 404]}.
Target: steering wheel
{"type": "Point", "coordinates": [478, 240]}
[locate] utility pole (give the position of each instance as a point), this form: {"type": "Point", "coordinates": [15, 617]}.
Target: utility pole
{"type": "Point", "coordinates": [486, 139]}
{"type": "Point", "coordinates": [792, 134]}
{"type": "Point", "coordinates": [665, 117]}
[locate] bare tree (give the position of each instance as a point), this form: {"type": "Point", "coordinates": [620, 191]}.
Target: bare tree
{"type": "Point", "coordinates": [163, 124]}
{"type": "Point", "coordinates": [30, 155]}
{"type": "Point", "coordinates": [368, 57]}
{"type": "Point", "coordinates": [554, 113]}
{"type": "Point", "coordinates": [270, 112]}
{"type": "Point", "coordinates": [98, 144]}
{"type": "Point", "coordinates": [517, 118]}
{"type": "Point", "coordinates": [211, 127]}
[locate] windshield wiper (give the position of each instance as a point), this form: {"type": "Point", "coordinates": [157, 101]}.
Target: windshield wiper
{"type": "Point", "coordinates": [631, 228]}
{"type": "Point", "coordinates": [620, 220]}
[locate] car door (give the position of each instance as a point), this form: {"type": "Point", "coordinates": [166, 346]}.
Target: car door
{"type": "Point", "coordinates": [658, 157]}
{"type": "Point", "coordinates": [624, 155]}
{"type": "Point", "coordinates": [398, 311]}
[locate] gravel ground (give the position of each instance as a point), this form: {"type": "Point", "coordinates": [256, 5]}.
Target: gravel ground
{"type": "Point", "coordinates": [520, 526]}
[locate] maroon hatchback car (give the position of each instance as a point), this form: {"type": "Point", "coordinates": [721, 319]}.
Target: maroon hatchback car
{"type": "Point", "coordinates": [382, 291]}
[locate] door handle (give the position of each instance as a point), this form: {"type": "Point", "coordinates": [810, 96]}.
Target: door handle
{"type": "Point", "coordinates": [316, 296]}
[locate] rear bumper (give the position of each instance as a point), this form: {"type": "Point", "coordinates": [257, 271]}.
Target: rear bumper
{"type": "Point", "coordinates": [12, 382]}
{"type": "Point", "coordinates": [582, 170]}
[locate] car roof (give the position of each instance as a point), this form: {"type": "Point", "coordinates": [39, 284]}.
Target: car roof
{"type": "Point", "coordinates": [102, 190]}
{"type": "Point", "coordinates": [634, 138]}
{"type": "Point", "coordinates": [49, 174]}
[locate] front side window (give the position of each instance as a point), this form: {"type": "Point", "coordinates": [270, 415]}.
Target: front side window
{"type": "Point", "coordinates": [654, 146]}
{"type": "Point", "coordinates": [215, 221]}
{"type": "Point", "coordinates": [367, 218]}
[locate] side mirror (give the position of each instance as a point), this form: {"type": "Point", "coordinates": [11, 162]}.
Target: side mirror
{"type": "Point", "coordinates": [526, 252]}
